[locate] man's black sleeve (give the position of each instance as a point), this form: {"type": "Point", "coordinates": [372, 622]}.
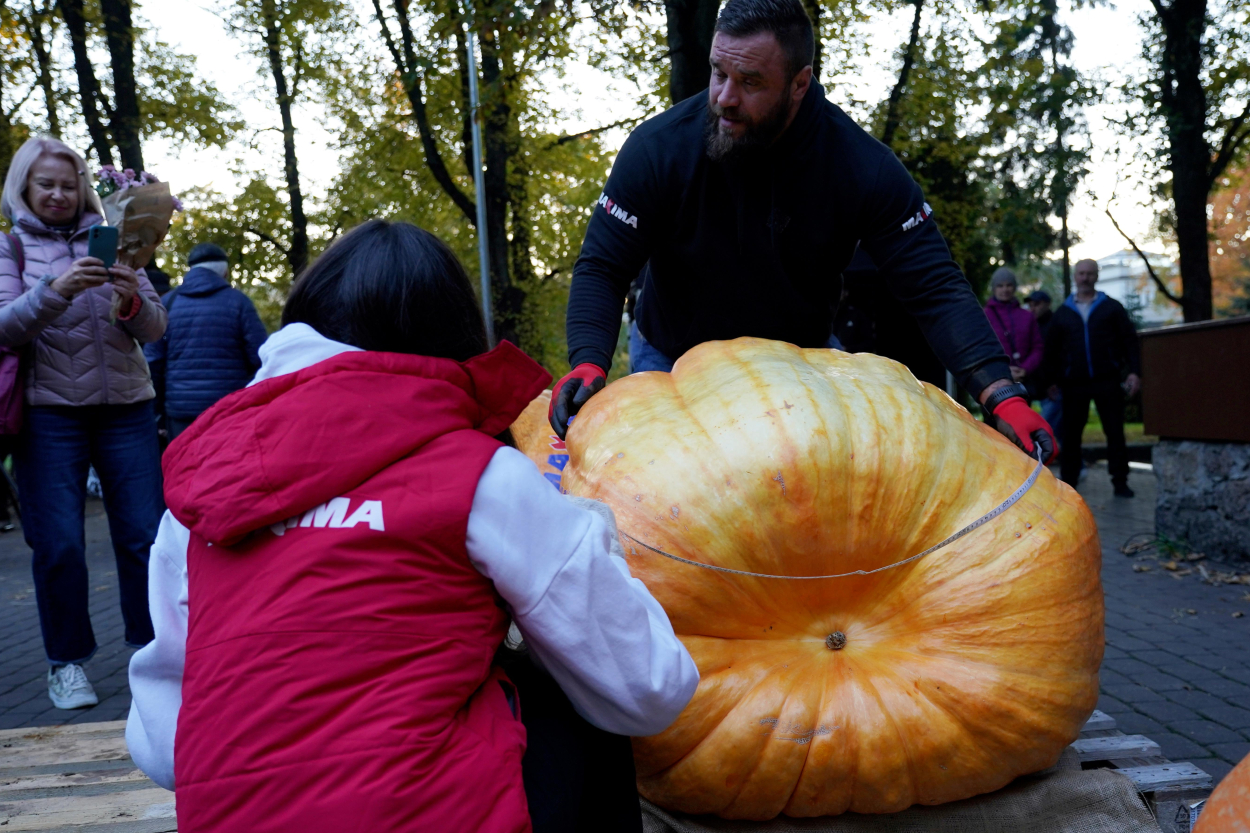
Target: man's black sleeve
{"type": "Point", "coordinates": [617, 245]}
{"type": "Point", "coordinates": [901, 237]}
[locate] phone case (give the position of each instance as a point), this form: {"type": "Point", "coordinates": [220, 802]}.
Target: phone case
{"type": "Point", "coordinates": [102, 244]}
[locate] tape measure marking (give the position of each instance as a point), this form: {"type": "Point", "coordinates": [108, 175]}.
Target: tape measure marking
{"type": "Point", "coordinates": [979, 522]}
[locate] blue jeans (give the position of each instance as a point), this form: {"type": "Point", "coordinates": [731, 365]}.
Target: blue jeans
{"type": "Point", "coordinates": [642, 356]}
{"type": "Point", "coordinates": [1052, 412]}
{"type": "Point", "coordinates": [56, 447]}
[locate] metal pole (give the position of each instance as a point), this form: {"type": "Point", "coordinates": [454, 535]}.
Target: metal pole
{"type": "Point", "coordinates": [479, 183]}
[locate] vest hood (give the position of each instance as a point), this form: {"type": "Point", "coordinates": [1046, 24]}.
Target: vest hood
{"type": "Point", "coordinates": [294, 441]}
{"type": "Point", "coordinates": [201, 281]}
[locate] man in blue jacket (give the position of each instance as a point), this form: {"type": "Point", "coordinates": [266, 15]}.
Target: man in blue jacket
{"type": "Point", "coordinates": [1091, 355]}
{"type": "Point", "coordinates": [211, 345]}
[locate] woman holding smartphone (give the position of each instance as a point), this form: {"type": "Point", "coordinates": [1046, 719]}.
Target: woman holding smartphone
{"type": "Point", "coordinates": [89, 402]}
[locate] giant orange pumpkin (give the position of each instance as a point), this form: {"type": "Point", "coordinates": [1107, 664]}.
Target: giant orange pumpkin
{"type": "Point", "coordinates": [1228, 808]}
{"type": "Point", "coordinates": [925, 683]}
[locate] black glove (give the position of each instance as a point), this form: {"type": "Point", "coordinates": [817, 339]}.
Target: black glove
{"type": "Point", "coordinates": [572, 392]}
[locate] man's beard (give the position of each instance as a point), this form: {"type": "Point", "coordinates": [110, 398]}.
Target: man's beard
{"type": "Point", "coordinates": [722, 147]}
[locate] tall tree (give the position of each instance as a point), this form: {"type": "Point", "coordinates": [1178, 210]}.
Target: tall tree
{"type": "Point", "coordinates": [89, 94]}
{"type": "Point", "coordinates": [1199, 95]}
{"type": "Point", "coordinates": [125, 118]}
{"type": "Point", "coordinates": [690, 25]}
{"type": "Point", "coordinates": [148, 90]}
{"type": "Point", "coordinates": [40, 45]}
{"type": "Point", "coordinates": [508, 35]}
{"type": "Point", "coordinates": [1037, 104]}
{"type": "Point", "coordinates": [893, 104]}
{"type": "Point", "coordinates": [294, 40]}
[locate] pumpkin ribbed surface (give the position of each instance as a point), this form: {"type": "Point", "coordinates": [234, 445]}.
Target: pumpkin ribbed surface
{"type": "Point", "coordinates": [927, 683]}
{"type": "Point", "coordinates": [1228, 808]}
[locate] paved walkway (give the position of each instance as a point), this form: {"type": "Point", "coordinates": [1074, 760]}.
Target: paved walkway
{"type": "Point", "coordinates": [1177, 666]}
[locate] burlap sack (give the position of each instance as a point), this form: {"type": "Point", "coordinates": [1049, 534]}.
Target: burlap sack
{"type": "Point", "coordinates": [1063, 799]}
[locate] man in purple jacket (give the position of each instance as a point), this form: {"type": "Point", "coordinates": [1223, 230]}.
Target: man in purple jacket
{"type": "Point", "coordinates": [1015, 326]}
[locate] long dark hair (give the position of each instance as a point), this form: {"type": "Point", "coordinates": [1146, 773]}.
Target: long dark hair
{"type": "Point", "coordinates": [390, 287]}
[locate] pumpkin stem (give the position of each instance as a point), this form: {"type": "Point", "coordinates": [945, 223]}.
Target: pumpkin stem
{"type": "Point", "coordinates": [835, 641]}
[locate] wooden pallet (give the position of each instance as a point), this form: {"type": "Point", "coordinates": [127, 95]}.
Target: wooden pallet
{"type": "Point", "coordinates": [78, 778]}
{"type": "Point", "coordinates": [81, 778]}
{"type": "Point", "coordinates": [1173, 791]}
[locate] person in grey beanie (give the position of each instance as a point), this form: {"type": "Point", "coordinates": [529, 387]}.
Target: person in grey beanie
{"type": "Point", "coordinates": [211, 346]}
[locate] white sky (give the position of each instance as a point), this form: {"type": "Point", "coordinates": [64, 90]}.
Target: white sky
{"type": "Point", "coordinates": [1107, 45]}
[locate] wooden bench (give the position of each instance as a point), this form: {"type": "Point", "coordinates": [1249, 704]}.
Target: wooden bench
{"type": "Point", "coordinates": [81, 778]}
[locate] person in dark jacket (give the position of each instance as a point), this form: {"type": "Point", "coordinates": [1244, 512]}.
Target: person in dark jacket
{"type": "Point", "coordinates": [1052, 407]}
{"type": "Point", "coordinates": [211, 347]}
{"type": "Point", "coordinates": [1091, 354]}
{"type": "Point", "coordinates": [743, 204]}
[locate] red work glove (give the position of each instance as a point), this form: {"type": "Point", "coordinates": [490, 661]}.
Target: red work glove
{"type": "Point", "coordinates": [572, 392]}
{"type": "Point", "coordinates": [1024, 426]}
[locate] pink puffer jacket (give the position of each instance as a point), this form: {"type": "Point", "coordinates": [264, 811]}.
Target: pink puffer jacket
{"type": "Point", "coordinates": [76, 356]}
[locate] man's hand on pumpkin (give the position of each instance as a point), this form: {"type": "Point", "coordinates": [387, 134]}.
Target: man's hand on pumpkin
{"type": "Point", "coordinates": [572, 392]}
{"type": "Point", "coordinates": [1019, 423]}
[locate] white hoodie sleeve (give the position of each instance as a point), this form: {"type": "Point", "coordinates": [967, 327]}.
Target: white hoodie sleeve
{"type": "Point", "coordinates": [156, 669]}
{"type": "Point", "coordinates": [557, 562]}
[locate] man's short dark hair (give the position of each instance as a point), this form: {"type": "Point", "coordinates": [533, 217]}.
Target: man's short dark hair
{"type": "Point", "coordinates": [787, 20]}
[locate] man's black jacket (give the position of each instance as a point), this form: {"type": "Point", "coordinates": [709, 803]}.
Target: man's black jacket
{"type": "Point", "coordinates": [1104, 348]}
{"type": "Point", "coordinates": [757, 247]}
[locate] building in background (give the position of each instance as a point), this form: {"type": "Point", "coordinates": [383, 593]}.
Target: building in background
{"type": "Point", "coordinates": [1123, 276]}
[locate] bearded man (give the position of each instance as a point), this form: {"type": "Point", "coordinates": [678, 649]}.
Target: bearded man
{"type": "Point", "coordinates": [742, 207]}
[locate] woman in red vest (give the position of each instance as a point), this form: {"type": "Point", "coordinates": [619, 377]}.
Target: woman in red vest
{"type": "Point", "coordinates": [346, 543]}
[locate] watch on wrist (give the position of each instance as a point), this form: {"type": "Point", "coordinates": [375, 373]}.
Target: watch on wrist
{"type": "Point", "coordinates": [1004, 393]}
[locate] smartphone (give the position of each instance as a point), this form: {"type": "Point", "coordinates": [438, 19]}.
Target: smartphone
{"type": "Point", "coordinates": [102, 244]}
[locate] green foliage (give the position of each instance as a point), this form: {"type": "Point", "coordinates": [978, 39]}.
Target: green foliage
{"type": "Point", "coordinates": [177, 102]}
{"type": "Point", "coordinates": [240, 226]}
{"type": "Point", "coordinates": [942, 145]}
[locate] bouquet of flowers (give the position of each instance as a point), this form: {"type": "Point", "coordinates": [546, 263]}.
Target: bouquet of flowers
{"type": "Point", "coordinates": [141, 207]}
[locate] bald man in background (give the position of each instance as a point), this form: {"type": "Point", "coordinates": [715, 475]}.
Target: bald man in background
{"type": "Point", "coordinates": [1091, 355]}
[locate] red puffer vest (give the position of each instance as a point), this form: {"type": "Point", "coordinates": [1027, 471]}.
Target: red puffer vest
{"type": "Point", "coordinates": [338, 672]}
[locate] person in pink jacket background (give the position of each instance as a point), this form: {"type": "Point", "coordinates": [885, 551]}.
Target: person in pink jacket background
{"type": "Point", "coordinates": [1014, 325]}
{"type": "Point", "coordinates": [88, 402]}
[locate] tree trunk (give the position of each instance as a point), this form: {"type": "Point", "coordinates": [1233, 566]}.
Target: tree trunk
{"type": "Point", "coordinates": [1185, 110]}
{"type": "Point", "coordinates": [88, 86]}
{"type": "Point", "coordinates": [43, 63]}
{"type": "Point", "coordinates": [1065, 243]}
{"type": "Point", "coordinates": [406, 64]}
{"type": "Point", "coordinates": [690, 26]}
{"type": "Point", "coordinates": [297, 254]}
{"type": "Point", "coordinates": [126, 121]}
{"type": "Point", "coordinates": [813, 11]}
{"type": "Point", "coordinates": [508, 300]}
{"type": "Point", "coordinates": [466, 105]}
{"type": "Point", "coordinates": [6, 124]}
{"type": "Point", "coordinates": [896, 95]}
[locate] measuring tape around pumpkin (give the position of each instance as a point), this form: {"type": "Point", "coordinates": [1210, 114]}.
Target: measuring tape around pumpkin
{"type": "Point", "coordinates": [981, 521]}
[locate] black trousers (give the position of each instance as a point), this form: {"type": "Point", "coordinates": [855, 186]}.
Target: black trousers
{"type": "Point", "coordinates": [1108, 397]}
{"type": "Point", "coordinates": [577, 777]}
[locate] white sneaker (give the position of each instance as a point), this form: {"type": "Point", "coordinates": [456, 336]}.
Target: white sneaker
{"type": "Point", "coordinates": [69, 689]}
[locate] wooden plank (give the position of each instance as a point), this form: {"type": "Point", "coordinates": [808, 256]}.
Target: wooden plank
{"type": "Point", "coordinates": [1114, 748]}
{"type": "Point", "coordinates": [11, 786]}
{"type": "Point", "coordinates": [1099, 721]}
{"type": "Point", "coordinates": [113, 727]}
{"type": "Point", "coordinates": [113, 809]}
{"type": "Point", "coordinates": [23, 748]}
{"type": "Point", "coordinates": [1166, 776]}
